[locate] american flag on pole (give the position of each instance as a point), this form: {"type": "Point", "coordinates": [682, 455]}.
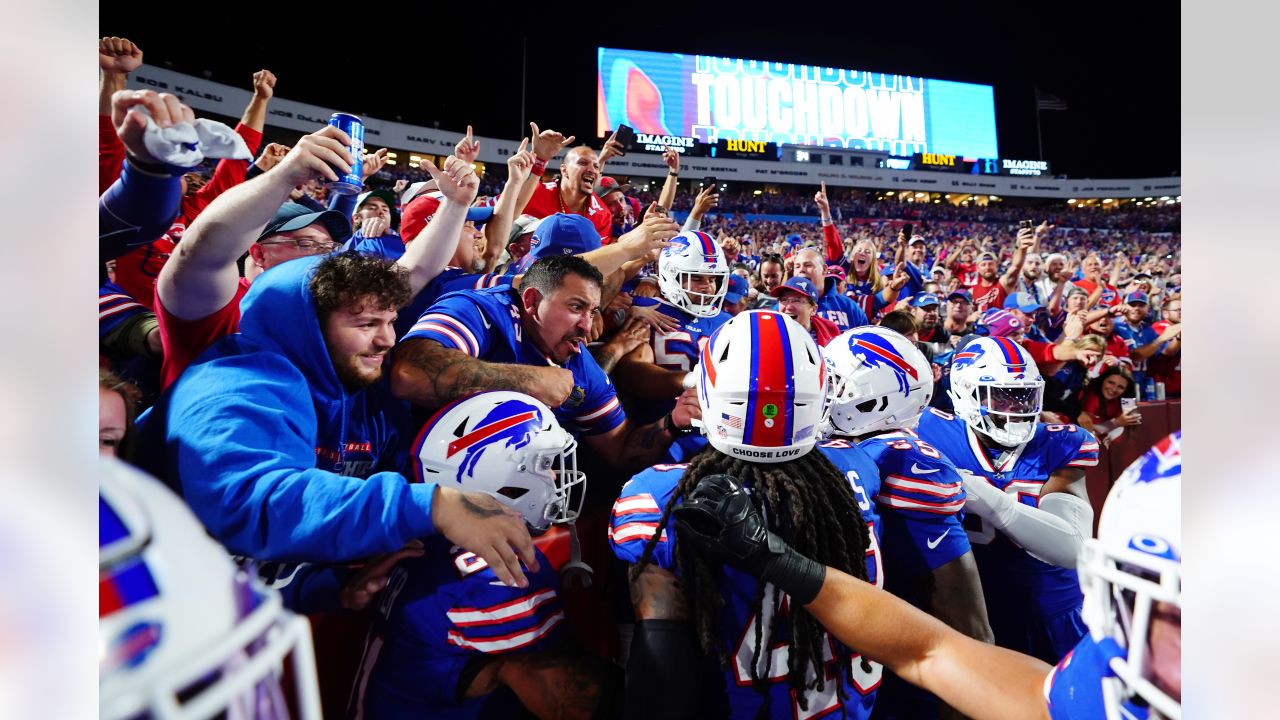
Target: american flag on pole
{"type": "Point", "coordinates": [1045, 101]}
{"type": "Point", "coordinates": [731, 421]}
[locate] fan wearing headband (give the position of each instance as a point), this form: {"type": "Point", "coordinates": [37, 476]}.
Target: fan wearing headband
{"type": "Point", "coordinates": [1027, 512]}
{"type": "Point", "coordinates": [711, 641]}
{"type": "Point", "coordinates": [450, 640]}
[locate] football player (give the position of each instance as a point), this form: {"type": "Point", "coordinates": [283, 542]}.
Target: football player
{"type": "Point", "coordinates": [1129, 665]}
{"type": "Point", "coordinates": [712, 641]}
{"type": "Point", "coordinates": [450, 641]}
{"type": "Point", "coordinates": [693, 278]}
{"type": "Point", "coordinates": [1026, 508]}
{"type": "Point", "coordinates": [182, 630]}
{"type": "Point", "coordinates": [880, 384]}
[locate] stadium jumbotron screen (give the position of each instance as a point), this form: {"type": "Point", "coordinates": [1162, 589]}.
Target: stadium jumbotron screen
{"type": "Point", "coordinates": [712, 98]}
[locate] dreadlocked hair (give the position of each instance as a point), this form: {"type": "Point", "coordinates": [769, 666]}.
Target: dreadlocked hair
{"type": "Point", "coordinates": [809, 504]}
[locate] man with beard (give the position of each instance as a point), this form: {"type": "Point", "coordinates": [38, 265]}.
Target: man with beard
{"type": "Point", "coordinates": [960, 315]}
{"type": "Point", "coordinates": [1032, 275]}
{"type": "Point", "coordinates": [924, 307]}
{"type": "Point", "coordinates": [286, 443]}
{"type": "Point", "coordinates": [532, 341]}
{"type": "Point", "coordinates": [574, 192]}
{"type": "Point", "coordinates": [993, 288]}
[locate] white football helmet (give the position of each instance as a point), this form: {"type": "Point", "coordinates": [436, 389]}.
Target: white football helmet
{"type": "Point", "coordinates": [997, 389]}
{"type": "Point", "coordinates": [693, 253]}
{"type": "Point", "coordinates": [879, 381]}
{"type": "Point", "coordinates": [1135, 562]}
{"type": "Point", "coordinates": [762, 386]}
{"type": "Point", "coordinates": [183, 632]}
{"type": "Point", "coordinates": [507, 445]}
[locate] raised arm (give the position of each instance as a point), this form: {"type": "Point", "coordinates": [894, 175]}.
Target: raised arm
{"type": "Point", "coordinates": [671, 184]}
{"type": "Point", "coordinates": [264, 88]}
{"type": "Point", "coordinates": [426, 257]}
{"type": "Point", "coordinates": [117, 57]}
{"type": "Point", "coordinates": [498, 229]}
{"type": "Point", "coordinates": [1027, 239]}
{"type": "Point", "coordinates": [546, 145]}
{"type": "Point", "coordinates": [201, 276]}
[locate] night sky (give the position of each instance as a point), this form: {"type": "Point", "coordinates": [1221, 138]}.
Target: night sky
{"type": "Point", "coordinates": [1116, 66]}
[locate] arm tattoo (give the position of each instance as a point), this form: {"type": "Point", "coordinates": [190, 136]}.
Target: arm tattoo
{"type": "Point", "coordinates": [490, 509]}
{"type": "Point", "coordinates": [605, 359]}
{"type": "Point", "coordinates": [561, 685]}
{"type": "Point", "coordinates": [656, 595]}
{"type": "Point", "coordinates": [445, 374]}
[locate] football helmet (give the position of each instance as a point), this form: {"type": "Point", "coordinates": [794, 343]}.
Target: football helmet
{"type": "Point", "coordinates": [1134, 563]}
{"type": "Point", "coordinates": [693, 253]}
{"type": "Point", "coordinates": [183, 632]}
{"type": "Point", "coordinates": [997, 389]}
{"type": "Point", "coordinates": [507, 445]}
{"type": "Point", "coordinates": [762, 385]}
{"type": "Point", "coordinates": [879, 381]}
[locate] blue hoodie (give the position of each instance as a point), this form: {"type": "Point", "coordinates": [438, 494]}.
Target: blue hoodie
{"type": "Point", "coordinates": [272, 453]}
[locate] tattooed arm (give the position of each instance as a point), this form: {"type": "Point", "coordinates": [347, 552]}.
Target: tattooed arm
{"type": "Point", "coordinates": [662, 670]}
{"type": "Point", "coordinates": [632, 447]}
{"type": "Point", "coordinates": [426, 373]}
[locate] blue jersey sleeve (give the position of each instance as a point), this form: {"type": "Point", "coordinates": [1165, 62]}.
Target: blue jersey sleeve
{"type": "Point", "coordinates": [455, 321]}
{"type": "Point", "coordinates": [599, 410]}
{"type": "Point", "coordinates": [921, 493]}
{"type": "Point", "coordinates": [637, 512]}
{"type": "Point", "coordinates": [1072, 446]}
{"type": "Point", "coordinates": [1074, 689]}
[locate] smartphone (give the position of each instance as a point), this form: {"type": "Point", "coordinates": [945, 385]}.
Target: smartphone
{"type": "Point", "coordinates": [1026, 224]}
{"type": "Point", "coordinates": [627, 136]}
{"type": "Point", "coordinates": [1128, 405]}
{"type": "Point", "coordinates": [709, 181]}
{"type": "Point", "coordinates": [907, 230]}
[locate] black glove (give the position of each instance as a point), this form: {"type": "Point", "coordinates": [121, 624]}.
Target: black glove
{"type": "Point", "coordinates": [720, 517]}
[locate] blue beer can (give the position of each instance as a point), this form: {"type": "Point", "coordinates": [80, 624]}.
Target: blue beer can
{"type": "Point", "coordinates": [351, 183]}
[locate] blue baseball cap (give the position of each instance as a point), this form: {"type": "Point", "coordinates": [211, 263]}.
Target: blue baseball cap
{"type": "Point", "coordinates": [560, 234]}
{"type": "Point", "coordinates": [1022, 301]}
{"type": "Point", "coordinates": [1137, 296]}
{"type": "Point", "coordinates": [737, 289]}
{"type": "Point", "coordinates": [924, 299]}
{"type": "Point", "coordinates": [794, 239]}
{"type": "Point", "coordinates": [797, 284]}
{"type": "Point", "coordinates": [963, 294]}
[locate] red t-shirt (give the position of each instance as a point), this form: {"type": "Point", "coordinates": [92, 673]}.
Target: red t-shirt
{"type": "Point", "coordinates": [967, 272]}
{"type": "Point", "coordinates": [546, 202]}
{"type": "Point", "coordinates": [989, 296]}
{"type": "Point", "coordinates": [184, 340]}
{"type": "Point", "coordinates": [1100, 410]}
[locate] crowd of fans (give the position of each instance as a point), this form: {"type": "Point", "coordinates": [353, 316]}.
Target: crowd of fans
{"type": "Point", "coordinates": [312, 370]}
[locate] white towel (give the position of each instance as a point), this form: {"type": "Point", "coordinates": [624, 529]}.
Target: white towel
{"type": "Point", "coordinates": [186, 145]}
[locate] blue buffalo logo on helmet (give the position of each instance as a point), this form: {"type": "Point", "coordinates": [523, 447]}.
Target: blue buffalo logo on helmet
{"type": "Point", "coordinates": [876, 351]}
{"type": "Point", "coordinates": [513, 423]}
{"type": "Point", "coordinates": [967, 356]}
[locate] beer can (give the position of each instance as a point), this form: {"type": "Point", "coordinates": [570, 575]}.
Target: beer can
{"type": "Point", "coordinates": [352, 183]}
{"type": "Point", "coordinates": [1159, 391]}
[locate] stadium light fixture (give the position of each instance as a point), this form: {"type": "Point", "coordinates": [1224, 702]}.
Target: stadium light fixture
{"type": "Point", "coordinates": [1072, 201]}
